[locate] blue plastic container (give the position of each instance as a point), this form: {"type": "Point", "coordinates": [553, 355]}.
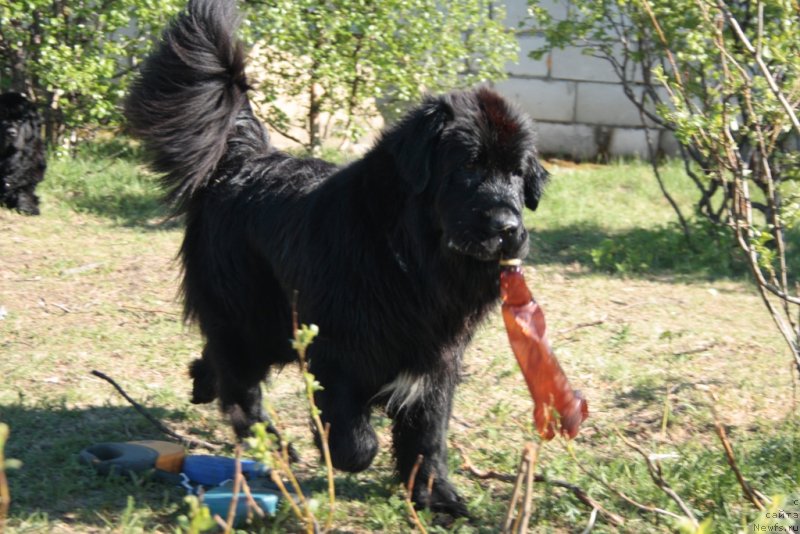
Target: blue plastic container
{"type": "Point", "coordinates": [219, 499]}
{"type": "Point", "coordinates": [208, 470]}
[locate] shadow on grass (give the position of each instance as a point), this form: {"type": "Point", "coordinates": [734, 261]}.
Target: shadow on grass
{"type": "Point", "coordinates": [349, 487]}
{"type": "Point", "coordinates": [649, 251]}
{"type": "Point", "coordinates": [145, 211]}
{"type": "Point", "coordinates": [638, 251]}
{"type": "Point", "coordinates": [53, 485]}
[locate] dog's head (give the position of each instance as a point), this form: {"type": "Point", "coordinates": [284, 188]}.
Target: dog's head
{"type": "Point", "coordinates": [17, 120]}
{"type": "Point", "coordinates": [472, 155]}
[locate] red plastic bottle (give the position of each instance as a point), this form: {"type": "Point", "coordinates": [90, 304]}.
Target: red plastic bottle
{"type": "Point", "coordinates": [546, 380]}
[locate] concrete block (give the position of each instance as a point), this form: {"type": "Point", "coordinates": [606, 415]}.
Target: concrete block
{"type": "Point", "coordinates": [517, 12]}
{"type": "Point", "coordinates": [572, 141]}
{"type": "Point", "coordinates": [627, 142]}
{"type": "Point", "coordinates": [526, 65]}
{"type": "Point", "coordinates": [636, 73]}
{"type": "Point", "coordinates": [573, 64]}
{"type": "Point", "coordinates": [667, 144]}
{"type": "Point", "coordinates": [542, 99]}
{"type": "Point", "coordinates": [605, 103]}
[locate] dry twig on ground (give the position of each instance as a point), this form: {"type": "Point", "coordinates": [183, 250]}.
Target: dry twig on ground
{"type": "Point", "coordinates": [519, 513]}
{"type": "Point", "coordinates": [621, 495]}
{"type": "Point", "coordinates": [654, 469]}
{"type": "Point", "coordinates": [410, 491]}
{"type": "Point", "coordinates": [578, 492]}
{"type": "Point", "coordinates": [184, 440]}
{"type": "Point", "coordinates": [754, 496]}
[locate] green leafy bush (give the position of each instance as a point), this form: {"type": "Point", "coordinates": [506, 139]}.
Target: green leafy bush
{"type": "Point", "coordinates": [350, 58]}
{"type": "Point", "coordinates": [76, 57]}
{"type": "Point", "coordinates": [724, 78]}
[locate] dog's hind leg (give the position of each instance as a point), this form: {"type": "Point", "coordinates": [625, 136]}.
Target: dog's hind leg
{"type": "Point", "coordinates": [242, 403]}
{"type": "Point", "coordinates": [23, 200]}
{"type": "Point", "coordinates": [236, 377]}
{"type": "Point", "coordinates": [204, 381]}
{"type": "Point", "coordinates": [230, 372]}
{"type": "Point", "coordinates": [204, 388]}
{"type": "Point", "coordinates": [27, 201]}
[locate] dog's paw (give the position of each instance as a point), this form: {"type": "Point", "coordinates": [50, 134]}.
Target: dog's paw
{"type": "Point", "coordinates": [204, 386]}
{"type": "Point", "coordinates": [441, 499]}
{"type": "Point", "coordinates": [352, 450]}
{"type": "Point", "coordinates": [28, 209]}
{"type": "Point", "coordinates": [27, 203]}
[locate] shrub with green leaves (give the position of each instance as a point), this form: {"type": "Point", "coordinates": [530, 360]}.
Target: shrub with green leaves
{"type": "Point", "coordinates": [724, 77]}
{"type": "Point", "coordinates": [684, 66]}
{"type": "Point", "coordinates": [358, 58]}
{"type": "Point", "coordinates": [75, 57]}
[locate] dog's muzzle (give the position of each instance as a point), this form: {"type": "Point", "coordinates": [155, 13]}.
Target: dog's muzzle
{"type": "Point", "coordinates": [496, 235]}
{"type": "Point", "coordinates": [506, 226]}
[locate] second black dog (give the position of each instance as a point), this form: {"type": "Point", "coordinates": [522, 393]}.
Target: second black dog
{"type": "Point", "coordinates": [22, 153]}
{"type": "Point", "coordinates": [394, 257]}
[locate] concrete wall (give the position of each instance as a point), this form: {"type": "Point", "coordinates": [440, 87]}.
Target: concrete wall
{"type": "Point", "coordinates": [580, 108]}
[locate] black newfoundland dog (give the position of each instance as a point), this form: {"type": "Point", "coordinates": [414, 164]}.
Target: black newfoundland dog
{"type": "Point", "coordinates": [22, 156]}
{"type": "Point", "coordinates": [394, 257]}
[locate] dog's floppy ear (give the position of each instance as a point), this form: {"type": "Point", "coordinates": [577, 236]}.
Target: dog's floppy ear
{"type": "Point", "coordinates": [414, 142]}
{"type": "Point", "coordinates": [535, 177]}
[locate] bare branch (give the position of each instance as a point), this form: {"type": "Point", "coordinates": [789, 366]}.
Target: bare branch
{"type": "Point", "coordinates": [237, 486]}
{"type": "Point", "coordinates": [696, 350]}
{"type": "Point", "coordinates": [752, 495]}
{"type": "Point", "coordinates": [525, 517]}
{"type": "Point", "coordinates": [410, 491]}
{"type": "Point", "coordinates": [510, 524]}
{"type": "Point", "coordinates": [618, 493]}
{"type": "Point", "coordinates": [187, 441]}
{"type": "Point", "coordinates": [579, 493]}
{"type": "Point", "coordinates": [653, 157]}
{"type": "Point", "coordinates": [283, 132]}
{"type": "Point", "coordinates": [592, 519]}
{"type": "Point", "coordinates": [655, 474]}
{"type": "Point", "coordinates": [579, 326]}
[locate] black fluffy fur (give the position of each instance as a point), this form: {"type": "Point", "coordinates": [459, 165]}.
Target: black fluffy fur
{"type": "Point", "coordinates": [22, 153]}
{"type": "Point", "coordinates": [394, 257]}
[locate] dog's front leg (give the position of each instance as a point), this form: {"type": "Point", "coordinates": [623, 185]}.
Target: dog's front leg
{"type": "Point", "coordinates": [351, 440]}
{"type": "Point", "coordinates": [421, 429]}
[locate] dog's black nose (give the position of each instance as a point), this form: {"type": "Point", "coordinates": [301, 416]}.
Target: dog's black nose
{"type": "Point", "coordinates": [504, 222]}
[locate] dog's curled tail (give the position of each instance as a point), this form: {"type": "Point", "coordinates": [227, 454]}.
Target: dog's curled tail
{"type": "Point", "coordinates": [185, 103]}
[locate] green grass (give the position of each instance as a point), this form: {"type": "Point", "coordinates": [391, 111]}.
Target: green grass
{"type": "Point", "coordinates": [614, 218]}
{"type": "Point", "coordinates": [105, 180]}
{"type": "Point", "coordinates": [616, 197]}
{"type": "Point", "coordinates": [92, 284]}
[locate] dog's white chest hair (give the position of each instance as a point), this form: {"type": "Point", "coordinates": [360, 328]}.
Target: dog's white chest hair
{"type": "Point", "coordinates": [404, 391]}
